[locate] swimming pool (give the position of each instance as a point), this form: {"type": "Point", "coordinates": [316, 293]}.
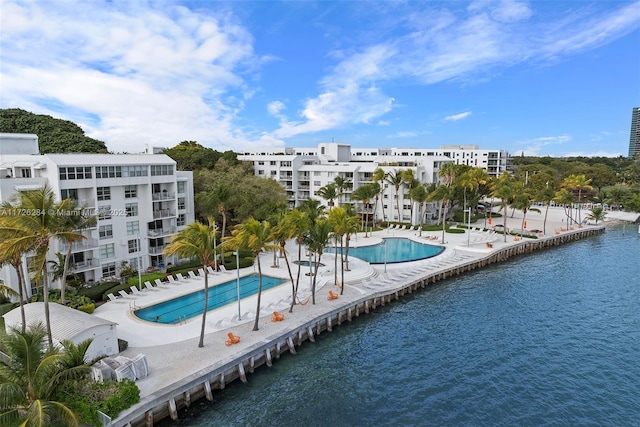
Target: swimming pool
{"type": "Point", "coordinates": [191, 305]}
{"type": "Point", "coordinates": [397, 250]}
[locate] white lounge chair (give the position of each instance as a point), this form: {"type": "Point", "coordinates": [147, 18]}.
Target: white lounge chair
{"type": "Point", "coordinates": [201, 272]}
{"type": "Point", "coordinates": [158, 283]}
{"type": "Point", "coordinates": [180, 277]}
{"type": "Point", "coordinates": [112, 297]}
{"type": "Point", "coordinates": [135, 291]}
{"type": "Point", "coordinates": [223, 269]}
{"type": "Point", "coordinates": [192, 275]}
{"type": "Point", "coordinates": [172, 280]}
{"type": "Point", "coordinates": [149, 286]}
{"type": "Point", "coordinates": [211, 270]}
{"type": "Point", "coordinates": [123, 294]}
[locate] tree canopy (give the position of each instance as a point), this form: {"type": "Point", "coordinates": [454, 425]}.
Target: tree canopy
{"type": "Point", "coordinates": [54, 135]}
{"type": "Point", "coordinates": [191, 156]}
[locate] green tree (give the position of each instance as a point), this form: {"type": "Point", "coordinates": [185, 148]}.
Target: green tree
{"type": "Point", "coordinates": [578, 183]}
{"type": "Point", "coordinates": [299, 224]}
{"type": "Point", "coordinates": [342, 224]}
{"type": "Point", "coordinates": [420, 196]}
{"type": "Point", "coordinates": [342, 183]}
{"type": "Point", "coordinates": [379, 175]}
{"type": "Point", "coordinates": [443, 194]}
{"type": "Point", "coordinates": [394, 178]}
{"type": "Point", "coordinates": [329, 192]}
{"type": "Point", "coordinates": [30, 378]}
{"type": "Point", "coordinates": [565, 198]}
{"type": "Point", "coordinates": [410, 182]}
{"type": "Point", "coordinates": [597, 214]}
{"type": "Point", "coordinates": [503, 190]}
{"type": "Point", "coordinates": [257, 237]}
{"type": "Point", "coordinates": [197, 240]}
{"type": "Point", "coordinates": [13, 257]}
{"type": "Point", "coordinates": [364, 194]}
{"type": "Point", "coordinates": [317, 240]}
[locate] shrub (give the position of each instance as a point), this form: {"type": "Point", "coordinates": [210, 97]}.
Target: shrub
{"type": "Point", "coordinates": [87, 308]}
{"type": "Point", "coordinates": [147, 277]}
{"type": "Point", "coordinates": [96, 292]}
{"type": "Point", "coordinates": [85, 398]}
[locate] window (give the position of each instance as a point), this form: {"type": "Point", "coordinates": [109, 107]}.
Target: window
{"type": "Point", "coordinates": [104, 212]}
{"type": "Point", "coordinates": [130, 191]}
{"type": "Point", "coordinates": [181, 203]}
{"type": "Point", "coordinates": [71, 193]}
{"type": "Point", "coordinates": [75, 172]}
{"type": "Point", "coordinates": [316, 183]}
{"type": "Point", "coordinates": [104, 193]}
{"type": "Point", "coordinates": [108, 171]}
{"type": "Point", "coordinates": [131, 209]}
{"type": "Point", "coordinates": [157, 170]}
{"type": "Point", "coordinates": [133, 228]}
{"type": "Point", "coordinates": [26, 173]}
{"type": "Point", "coordinates": [274, 173]}
{"type": "Point", "coordinates": [133, 245]}
{"type": "Point", "coordinates": [181, 187]}
{"type": "Point", "coordinates": [109, 269]}
{"type": "Point", "coordinates": [272, 163]}
{"type": "Point", "coordinates": [134, 171]}
{"type": "Point", "coordinates": [106, 231]}
{"type": "Point", "coordinates": [260, 172]}
{"type": "Point", "coordinates": [181, 220]}
{"type": "Point", "coordinates": [133, 262]}
{"type": "Point", "coordinates": [317, 173]}
{"type": "Point", "coordinates": [107, 251]}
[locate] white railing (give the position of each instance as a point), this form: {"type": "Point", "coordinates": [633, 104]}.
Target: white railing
{"type": "Point", "coordinates": [163, 196]}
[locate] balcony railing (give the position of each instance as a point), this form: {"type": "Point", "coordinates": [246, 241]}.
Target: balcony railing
{"type": "Point", "coordinates": [163, 213]}
{"type": "Point", "coordinates": [88, 264]}
{"type": "Point", "coordinates": [83, 245]}
{"type": "Point", "coordinates": [161, 232]}
{"type": "Point", "coordinates": [156, 250]}
{"type": "Point", "coordinates": [163, 196]}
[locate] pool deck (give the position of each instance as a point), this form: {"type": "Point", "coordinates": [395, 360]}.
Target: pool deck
{"type": "Point", "coordinates": [172, 352]}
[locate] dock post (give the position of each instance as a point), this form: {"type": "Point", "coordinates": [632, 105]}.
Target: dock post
{"type": "Point", "coordinates": [173, 411]}
{"type": "Point", "coordinates": [207, 391]}
{"type": "Point", "coordinates": [292, 348]}
{"type": "Point", "coordinates": [310, 334]}
{"type": "Point", "coordinates": [241, 373]}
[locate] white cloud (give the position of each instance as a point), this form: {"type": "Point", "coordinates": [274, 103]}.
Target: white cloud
{"type": "Point", "coordinates": [459, 116]}
{"type": "Point", "coordinates": [534, 146]}
{"type": "Point", "coordinates": [598, 153]}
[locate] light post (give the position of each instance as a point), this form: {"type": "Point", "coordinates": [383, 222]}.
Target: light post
{"type": "Point", "coordinates": [310, 273]}
{"type": "Point", "coordinates": [469, 227]}
{"type": "Point", "coordinates": [237, 254]}
{"type": "Point", "coordinates": [139, 243]}
{"type": "Point", "coordinates": [215, 254]}
{"type": "Point", "coordinates": [384, 243]}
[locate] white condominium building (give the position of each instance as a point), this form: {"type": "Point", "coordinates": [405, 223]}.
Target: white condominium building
{"type": "Point", "coordinates": [141, 200]}
{"type": "Point", "coordinates": [303, 171]}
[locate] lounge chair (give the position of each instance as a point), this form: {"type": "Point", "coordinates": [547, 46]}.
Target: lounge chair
{"type": "Point", "coordinates": [112, 297]}
{"type": "Point", "coordinates": [135, 291]}
{"type": "Point", "coordinates": [223, 269]}
{"type": "Point", "coordinates": [211, 270]}
{"type": "Point", "coordinates": [201, 272]}
{"type": "Point", "coordinates": [149, 286]}
{"type": "Point", "coordinates": [158, 283]}
{"type": "Point", "coordinates": [181, 277]}
{"type": "Point", "coordinates": [123, 294]}
{"type": "Point", "coordinates": [192, 275]}
{"type": "Point", "coordinates": [172, 280]}
{"type": "Point", "coordinates": [233, 339]}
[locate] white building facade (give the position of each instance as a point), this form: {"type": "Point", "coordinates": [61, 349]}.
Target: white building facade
{"type": "Point", "coordinates": [303, 171]}
{"type": "Point", "coordinates": [141, 200]}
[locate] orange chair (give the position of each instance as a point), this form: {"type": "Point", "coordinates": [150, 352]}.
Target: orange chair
{"type": "Point", "coordinates": [332, 295]}
{"type": "Point", "coordinates": [489, 245]}
{"type": "Point", "coordinates": [233, 339]}
{"type": "Point", "coordinates": [277, 317]}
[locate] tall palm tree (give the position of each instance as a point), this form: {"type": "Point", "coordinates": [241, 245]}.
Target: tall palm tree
{"type": "Point", "coordinates": [317, 240]}
{"type": "Point", "coordinates": [580, 183]}
{"type": "Point", "coordinates": [410, 182]}
{"type": "Point", "coordinates": [299, 223]}
{"type": "Point", "coordinates": [395, 178]}
{"type": "Point", "coordinates": [565, 198]}
{"type": "Point", "coordinates": [312, 208]}
{"type": "Point", "coordinates": [442, 193]}
{"type": "Point", "coordinates": [419, 195]}
{"type": "Point", "coordinates": [34, 233]}
{"type": "Point", "coordinates": [30, 378]}
{"type": "Point", "coordinates": [13, 257]}
{"type": "Point", "coordinates": [342, 183]}
{"type": "Point", "coordinates": [343, 224]}
{"type": "Point", "coordinates": [329, 192]}
{"type": "Point", "coordinates": [597, 214]}
{"type": "Point", "coordinates": [196, 241]}
{"type": "Point", "coordinates": [255, 236]}
{"type": "Point", "coordinates": [282, 232]}
{"type": "Point", "coordinates": [364, 194]}
{"type": "Point", "coordinates": [379, 175]}
{"type": "Point", "coordinates": [503, 190]}
{"type": "Point", "coordinates": [447, 174]}
{"type": "Point", "coordinates": [351, 227]}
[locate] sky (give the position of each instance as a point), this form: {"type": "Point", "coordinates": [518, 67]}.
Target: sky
{"type": "Point", "coordinates": [557, 78]}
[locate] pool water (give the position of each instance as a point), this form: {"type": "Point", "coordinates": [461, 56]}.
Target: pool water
{"type": "Point", "coordinates": [397, 250]}
{"type": "Point", "coordinates": [191, 305]}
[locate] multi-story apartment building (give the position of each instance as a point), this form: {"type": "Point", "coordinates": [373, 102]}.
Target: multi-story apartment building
{"type": "Point", "coordinates": [140, 200]}
{"type": "Point", "coordinates": [634, 135]}
{"type": "Point", "coordinates": [303, 171]}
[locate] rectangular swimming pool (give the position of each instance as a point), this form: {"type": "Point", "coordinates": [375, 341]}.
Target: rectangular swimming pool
{"type": "Point", "coordinates": [191, 305]}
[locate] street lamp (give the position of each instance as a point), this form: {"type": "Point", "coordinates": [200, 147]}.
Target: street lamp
{"type": "Point", "coordinates": [237, 254]}
{"type": "Point", "coordinates": [384, 243]}
{"type": "Point", "coordinates": [139, 244]}
{"type": "Point", "coordinates": [215, 254]}
{"type": "Point", "coordinates": [469, 227]}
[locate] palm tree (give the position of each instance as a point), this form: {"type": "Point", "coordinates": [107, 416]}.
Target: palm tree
{"type": "Point", "coordinates": [73, 222]}
{"type": "Point", "coordinates": [565, 198]}
{"type": "Point", "coordinates": [343, 224]}
{"type": "Point", "coordinates": [30, 378]}
{"type": "Point", "coordinates": [379, 176]}
{"type": "Point", "coordinates": [298, 223]}
{"type": "Point", "coordinates": [34, 233]}
{"type": "Point", "coordinates": [419, 195]}
{"type": "Point", "coordinates": [545, 195]}
{"type": "Point", "coordinates": [442, 193]}
{"type": "Point", "coordinates": [342, 184]}
{"type": "Point", "coordinates": [255, 236]}
{"type": "Point", "coordinates": [503, 190]}
{"type": "Point", "coordinates": [14, 258]}
{"type": "Point", "coordinates": [223, 194]}
{"type": "Point", "coordinates": [282, 232]}
{"type": "Point", "coordinates": [395, 178]}
{"type": "Point", "coordinates": [597, 214]}
{"type": "Point", "coordinates": [447, 174]}
{"type": "Point", "coordinates": [410, 182]}
{"type": "Point", "coordinates": [197, 240]}
{"type": "Point", "coordinates": [364, 194]}
{"type": "Point", "coordinates": [329, 192]}
{"type": "Point", "coordinates": [317, 240]}
{"type": "Point", "coordinates": [580, 183]}
{"type": "Point", "coordinates": [312, 208]}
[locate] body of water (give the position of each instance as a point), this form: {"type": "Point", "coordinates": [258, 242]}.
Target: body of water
{"type": "Point", "coordinates": [551, 338]}
{"type": "Point", "coordinates": [392, 250]}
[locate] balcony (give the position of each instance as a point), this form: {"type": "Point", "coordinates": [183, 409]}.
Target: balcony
{"type": "Point", "coordinates": [85, 203]}
{"type": "Point", "coordinates": [85, 265]}
{"type": "Point", "coordinates": [159, 232]}
{"type": "Point", "coordinates": [163, 213]}
{"type": "Point", "coordinates": [163, 196]}
{"type": "Point", "coordinates": [156, 250]}
{"type": "Point", "coordinates": [83, 245]}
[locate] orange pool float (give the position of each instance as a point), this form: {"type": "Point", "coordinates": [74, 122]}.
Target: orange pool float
{"type": "Point", "coordinates": [233, 339]}
{"type": "Point", "coordinates": [332, 295]}
{"type": "Point", "coordinates": [277, 317]}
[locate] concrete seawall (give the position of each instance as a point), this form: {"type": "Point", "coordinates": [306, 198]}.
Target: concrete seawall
{"type": "Point", "coordinates": [166, 402]}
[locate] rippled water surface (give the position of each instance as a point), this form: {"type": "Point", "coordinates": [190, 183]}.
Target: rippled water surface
{"type": "Point", "coordinates": [551, 338]}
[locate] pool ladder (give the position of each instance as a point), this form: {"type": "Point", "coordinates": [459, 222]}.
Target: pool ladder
{"type": "Point", "coordinates": [181, 320]}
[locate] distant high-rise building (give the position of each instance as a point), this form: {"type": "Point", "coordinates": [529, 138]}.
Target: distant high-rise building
{"type": "Point", "coordinates": [634, 138]}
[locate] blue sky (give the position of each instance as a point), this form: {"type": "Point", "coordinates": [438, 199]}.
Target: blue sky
{"type": "Point", "coordinates": [555, 78]}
